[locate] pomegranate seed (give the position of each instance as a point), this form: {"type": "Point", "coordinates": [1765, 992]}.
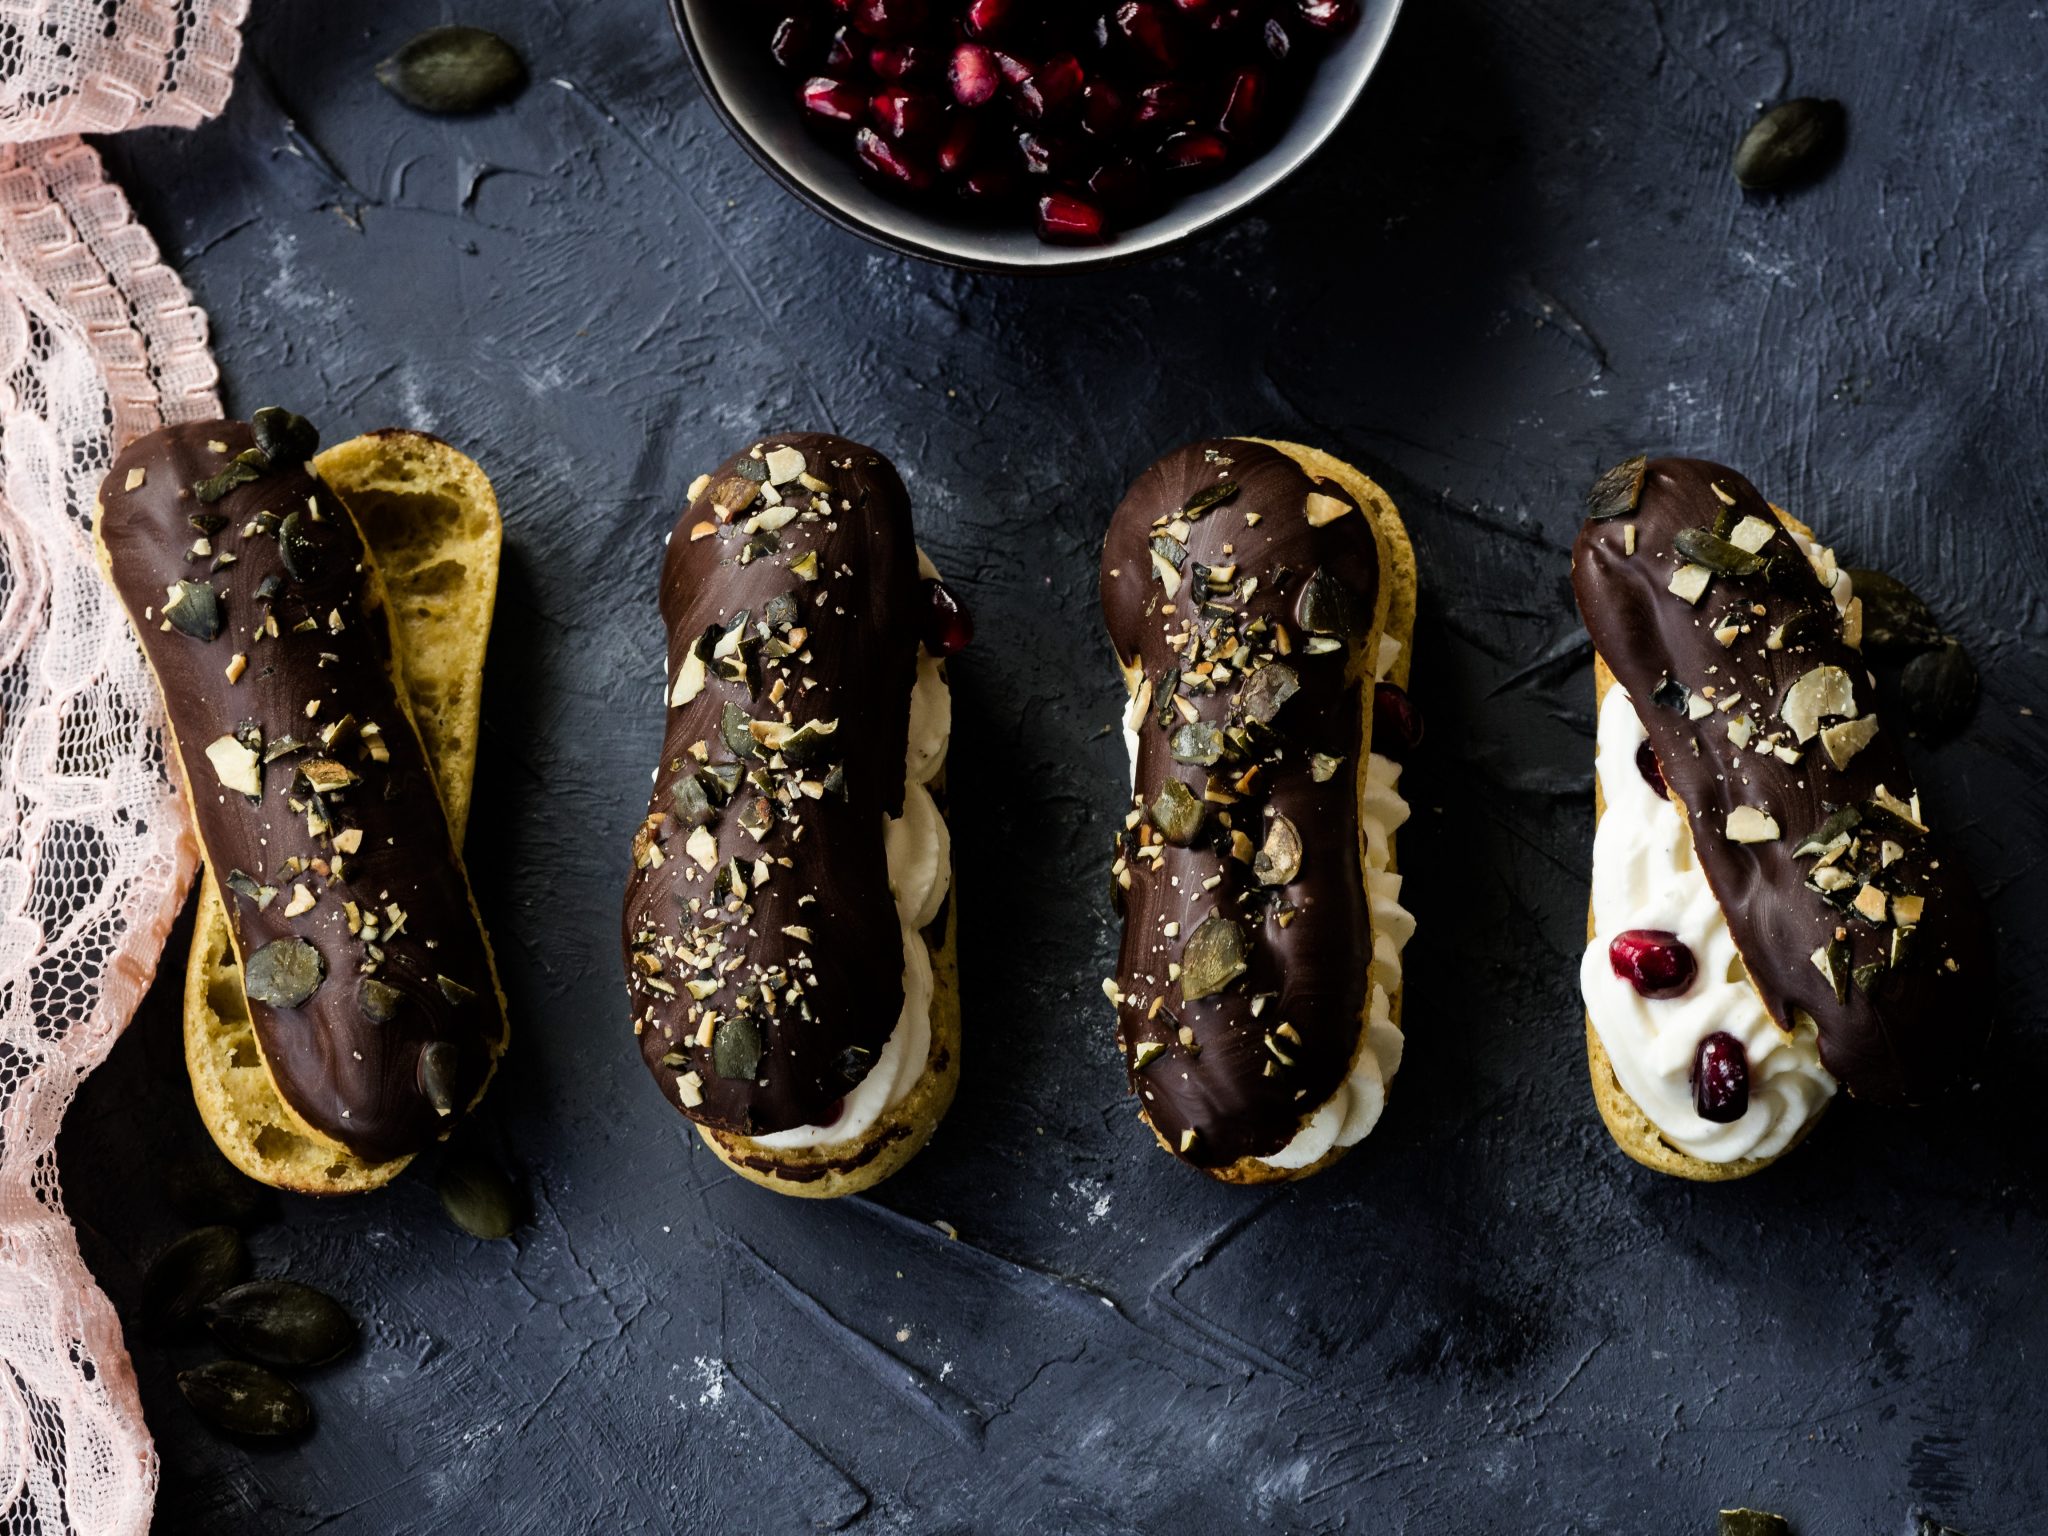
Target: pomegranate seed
{"type": "Point", "coordinates": [948, 627]}
{"type": "Point", "coordinates": [1102, 109]}
{"type": "Point", "coordinates": [1142, 25]}
{"type": "Point", "coordinates": [1226, 19]}
{"type": "Point", "coordinates": [1192, 151]}
{"type": "Point", "coordinates": [989, 185]}
{"type": "Point", "coordinates": [1166, 101]}
{"type": "Point", "coordinates": [897, 61]}
{"type": "Point", "coordinates": [1241, 110]}
{"type": "Point", "coordinates": [905, 115]}
{"type": "Point", "coordinates": [832, 100]}
{"type": "Point", "coordinates": [1193, 9]}
{"type": "Point", "coordinates": [1046, 155]}
{"type": "Point", "coordinates": [1396, 722]}
{"type": "Point", "coordinates": [959, 146]}
{"type": "Point", "coordinates": [1277, 41]}
{"type": "Point", "coordinates": [1720, 1079]}
{"type": "Point", "coordinates": [1657, 964]}
{"type": "Point", "coordinates": [1015, 70]}
{"type": "Point", "coordinates": [1067, 220]}
{"type": "Point", "coordinates": [1329, 15]}
{"type": "Point", "coordinates": [898, 18]}
{"type": "Point", "coordinates": [1652, 770]}
{"type": "Point", "coordinates": [973, 74]}
{"type": "Point", "coordinates": [889, 161]}
{"type": "Point", "coordinates": [841, 51]}
{"type": "Point", "coordinates": [794, 42]}
{"type": "Point", "coordinates": [1051, 88]}
{"type": "Point", "coordinates": [986, 16]}
{"type": "Point", "coordinates": [1118, 184]}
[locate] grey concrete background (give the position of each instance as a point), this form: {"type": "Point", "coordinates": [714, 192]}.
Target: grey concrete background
{"type": "Point", "coordinates": [1523, 259]}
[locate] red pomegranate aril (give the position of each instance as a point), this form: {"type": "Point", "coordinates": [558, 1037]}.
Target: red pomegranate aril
{"type": "Point", "coordinates": [905, 115]}
{"type": "Point", "coordinates": [1119, 185]}
{"type": "Point", "coordinates": [1657, 964]}
{"type": "Point", "coordinates": [1068, 220]}
{"type": "Point", "coordinates": [1144, 26]}
{"type": "Point", "coordinates": [989, 185]}
{"type": "Point", "coordinates": [897, 61]}
{"type": "Point", "coordinates": [1328, 15]}
{"type": "Point", "coordinates": [1047, 155]}
{"type": "Point", "coordinates": [986, 16]}
{"type": "Point", "coordinates": [889, 18]}
{"type": "Point", "coordinates": [1166, 101]}
{"type": "Point", "coordinates": [1192, 151]}
{"type": "Point", "coordinates": [973, 74]}
{"type": "Point", "coordinates": [1720, 1079]}
{"type": "Point", "coordinates": [1051, 88]}
{"type": "Point", "coordinates": [1194, 10]}
{"type": "Point", "coordinates": [1652, 770]}
{"type": "Point", "coordinates": [948, 626]}
{"type": "Point", "coordinates": [1278, 43]}
{"type": "Point", "coordinates": [833, 100]}
{"type": "Point", "coordinates": [890, 161]}
{"type": "Point", "coordinates": [1396, 722]}
{"type": "Point", "coordinates": [960, 146]}
{"type": "Point", "coordinates": [794, 42]}
{"type": "Point", "coordinates": [1226, 19]}
{"type": "Point", "coordinates": [1015, 71]}
{"type": "Point", "coordinates": [842, 51]}
{"type": "Point", "coordinates": [1241, 108]}
{"type": "Point", "coordinates": [1102, 108]}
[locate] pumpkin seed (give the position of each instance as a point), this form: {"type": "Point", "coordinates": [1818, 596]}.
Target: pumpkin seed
{"type": "Point", "coordinates": [1279, 861]}
{"type": "Point", "coordinates": [477, 1195]}
{"type": "Point", "coordinates": [300, 554]}
{"type": "Point", "coordinates": [1208, 498]}
{"type": "Point", "coordinates": [1703, 547]}
{"type": "Point", "coordinates": [378, 1001]}
{"type": "Point", "coordinates": [454, 69]}
{"type": "Point", "coordinates": [281, 1322]}
{"type": "Point", "coordinates": [1177, 813]}
{"type": "Point", "coordinates": [1328, 607]}
{"type": "Point", "coordinates": [1618, 491]}
{"type": "Point", "coordinates": [1753, 1522]}
{"type": "Point", "coordinates": [245, 1399]}
{"type": "Point", "coordinates": [693, 807]}
{"type": "Point", "coordinates": [1199, 741]}
{"type": "Point", "coordinates": [1897, 625]}
{"type": "Point", "coordinates": [189, 1273]}
{"type": "Point", "coordinates": [283, 973]}
{"type": "Point", "coordinates": [453, 990]}
{"type": "Point", "coordinates": [245, 468]}
{"type": "Point", "coordinates": [736, 1048]}
{"type": "Point", "coordinates": [286, 439]}
{"type": "Point", "coordinates": [1167, 687]}
{"type": "Point", "coordinates": [1792, 143]}
{"type": "Point", "coordinates": [1212, 960]}
{"type": "Point", "coordinates": [194, 609]}
{"type": "Point", "coordinates": [1266, 690]}
{"type": "Point", "coordinates": [734, 727]}
{"type": "Point", "coordinates": [438, 1062]}
{"type": "Point", "coordinates": [1938, 689]}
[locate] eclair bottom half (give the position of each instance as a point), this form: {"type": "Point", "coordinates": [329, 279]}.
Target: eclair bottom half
{"type": "Point", "coordinates": [1631, 1126]}
{"type": "Point", "coordinates": [811, 1162]}
{"type": "Point", "coordinates": [430, 519]}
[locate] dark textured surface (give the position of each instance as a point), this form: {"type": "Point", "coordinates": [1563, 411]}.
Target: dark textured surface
{"type": "Point", "coordinates": [1523, 259]}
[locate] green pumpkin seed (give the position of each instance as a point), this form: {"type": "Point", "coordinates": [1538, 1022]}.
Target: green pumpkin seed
{"type": "Point", "coordinates": [736, 1048]}
{"type": "Point", "coordinates": [477, 1195]}
{"type": "Point", "coordinates": [733, 727]}
{"type": "Point", "coordinates": [1753, 1522]}
{"type": "Point", "coordinates": [281, 1322]}
{"type": "Point", "coordinates": [1792, 143]}
{"type": "Point", "coordinates": [283, 973]}
{"type": "Point", "coordinates": [1671, 694]}
{"type": "Point", "coordinates": [693, 807]}
{"type": "Point", "coordinates": [378, 1001]}
{"type": "Point", "coordinates": [245, 1399]}
{"type": "Point", "coordinates": [454, 69]}
{"type": "Point", "coordinates": [1212, 960]}
{"type": "Point", "coordinates": [296, 548]}
{"type": "Point", "coordinates": [1177, 813]}
{"type": "Point", "coordinates": [189, 1273]}
{"type": "Point", "coordinates": [1897, 625]}
{"type": "Point", "coordinates": [1702, 547]}
{"type": "Point", "coordinates": [245, 468]}
{"type": "Point", "coordinates": [439, 1063]}
{"type": "Point", "coordinates": [286, 439]}
{"type": "Point", "coordinates": [1939, 690]}
{"type": "Point", "coordinates": [1266, 690]}
{"type": "Point", "coordinates": [1163, 710]}
{"type": "Point", "coordinates": [456, 993]}
{"type": "Point", "coordinates": [1618, 491]}
{"type": "Point", "coordinates": [1328, 607]}
{"type": "Point", "coordinates": [1198, 742]}
{"type": "Point", "coordinates": [194, 609]}
{"type": "Point", "coordinates": [1208, 498]}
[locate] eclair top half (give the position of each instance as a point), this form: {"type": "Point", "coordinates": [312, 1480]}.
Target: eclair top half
{"type": "Point", "coordinates": [1249, 596]}
{"type": "Point", "coordinates": [763, 949]}
{"type": "Point", "coordinates": [1795, 784]}
{"type": "Point", "coordinates": [368, 976]}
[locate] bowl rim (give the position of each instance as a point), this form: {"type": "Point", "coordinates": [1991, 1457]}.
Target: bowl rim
{"type": "Point", "coordinates": [1056, 258]}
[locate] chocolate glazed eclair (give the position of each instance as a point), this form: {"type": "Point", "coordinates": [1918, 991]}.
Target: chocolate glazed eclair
{"type": "Point", "coordinates": [788, 931]}
{"type": "Point", "coordinates": [369, 979]}
{"type": "Point", "coordinates": [1771, 916]}
{"type": "Point", "coordinates": [1256, 593]}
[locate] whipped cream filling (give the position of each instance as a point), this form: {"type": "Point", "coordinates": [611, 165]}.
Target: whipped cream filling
{"type": "Point", "coordinates": [1645, 875]}
{"type": "Point", "coordinates": [1344, 1118]}
{"type": "Point", "coordinates": [919, 846]}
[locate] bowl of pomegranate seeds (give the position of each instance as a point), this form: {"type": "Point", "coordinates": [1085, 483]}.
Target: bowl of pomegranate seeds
{"type": "Point", "coordinates": [1032, 133]}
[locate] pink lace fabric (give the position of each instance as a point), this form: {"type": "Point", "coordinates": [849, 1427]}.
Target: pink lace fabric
{"type": "Point", "coordinates": [99, 342]}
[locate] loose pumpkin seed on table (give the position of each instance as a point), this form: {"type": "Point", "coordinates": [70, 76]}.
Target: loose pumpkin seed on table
{"type": "Point", "coordinates": [245, 1399]}
{"type": "Point", "coordinates": [1791, 144]}
{"type": "Point", "coordinates": [477, 1195]}
{"type": "Point", "coordinates": [454, 69]}
{"type": "Point", "coordinates": [281, 1322]}
{"type": "Point", "coordinates": [189, 1273]}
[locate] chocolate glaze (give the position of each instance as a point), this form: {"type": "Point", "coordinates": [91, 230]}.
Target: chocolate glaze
{"type": "Point", "coordinates": [827, 871]}
{"type": "Point", "coordinates": [1309, 942]}
{"type": "Point", "coordinates": [350, 1078]}
{"type": "Point", "coordinates": [1902, 1038]}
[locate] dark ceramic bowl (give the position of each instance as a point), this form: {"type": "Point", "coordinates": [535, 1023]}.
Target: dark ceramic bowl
{"type": "Point", "coordinates": [725, 43]}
